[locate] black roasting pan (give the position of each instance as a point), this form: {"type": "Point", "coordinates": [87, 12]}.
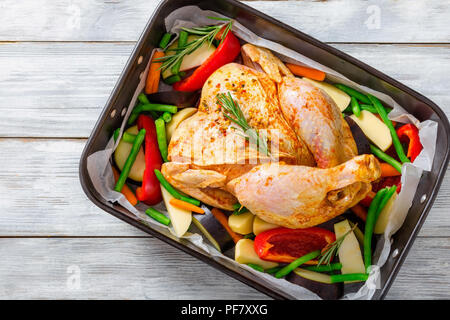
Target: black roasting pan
{"type": "Point", "coordinates": [269, 28]}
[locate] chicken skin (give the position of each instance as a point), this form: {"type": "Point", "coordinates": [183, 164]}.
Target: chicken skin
{"type": "Point", "coordinates": [311, 171]}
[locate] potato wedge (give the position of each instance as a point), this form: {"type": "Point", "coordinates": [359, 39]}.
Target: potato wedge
{"type": "Point", "coordinates": [259, 225]}
{"type": "Point", "coordinates": [177, 118]}
{"type": "Point", "coordinates": [374, 129]}
{"type": "Point", "coordinates": [384, 216]}
{"type": "Point", "coordinates": [245, 253]}
{"type": "Point", "coordinates": [180, 219]}
{"type": "Point", "coordinates": [349, 252]}
{"type": "Point", "coordinates": [242, 224]}
{"type": "Point", "coordinates": [121, 154]}
{"type": "Point", "coordinates": [341, 99]}
{"type": "Point", "coordinates": [194, 59]}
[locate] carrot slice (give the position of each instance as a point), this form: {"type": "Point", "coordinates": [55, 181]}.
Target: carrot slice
{"type": "Point", "coordinates": [126, 191]}
{"type": "Point", "coordinates": [185, 205]}
{"type": "Point", "coordinates": [360, 212]}
{"type": "Point", "coordinates": [154, 73]}
{"type": "Point", "coordinates": [222, 218]}
{"type": "Point", "coordinates": [308, 72]}
{"type": "Point", "coordinates": [388, 171]}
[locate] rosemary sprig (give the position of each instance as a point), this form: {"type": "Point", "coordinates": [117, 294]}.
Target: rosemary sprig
{"type": "Point", "coordinates": [207, 35]}
{"type": "Point", "coordinates": [332, 249]}
{"type": "Point", "coordinates": [233, 112]}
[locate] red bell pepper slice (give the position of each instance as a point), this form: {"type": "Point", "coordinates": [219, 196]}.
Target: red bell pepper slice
{"type": "Point", "coordinates": [225, 53]}
{"type": "Point", "coordinates": [411, 133]}
{"type": "Point", "coordinates": [150, 191]}
{"type": "Point", "coordinates": [286, 245]}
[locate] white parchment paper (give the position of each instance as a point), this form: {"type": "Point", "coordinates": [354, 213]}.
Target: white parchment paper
{"type": "Point", "coordinates": [100, 172]}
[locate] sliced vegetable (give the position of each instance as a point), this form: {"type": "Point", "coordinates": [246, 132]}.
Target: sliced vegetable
{"type": "Point", "coordinates": [259, 225]}
{"type": "Point", "coordinates": [181, 219]}
{"type": "Point", "coordinates": [222, 218]}
{"type": "Point", "coordinates": [130, 160]}
{"type": "Point", "coordinates": [172, 190]}
{"type": "Point", "coordinates": [121, 154]}
{"type": "Point", "coordinates": [385, 215]}
{"type": "Point", "coordinates": [158, 216]}
{"type": "Point", "coordinates": [409, 132]}
{"type": "Point", "coordinates": [177, 118]}
{"type": "Point", "coordinates": [368, 199]}
{"type": "Point", "coordinates": [150, 107]}
{"type": "Point", "coordinates": [149, 192]}
{"type": "Point", "coordinates": [383, 156]}
{"type": "Point", "coordinates": [318, 283]}
{"type": "Point", "coordinates": [356, 109]}
{"type": "Point", "coordinates": [286, 245]}
{"type": "Point", "coordinates": [165, 40]}
{"type": "Point", "coordinates": [395, 140]}
{"type": "Point", "coordinates": [161, 137]}
{"type": "Point", "coordinates": [242, 224]}
{"type": "Point", "coordinates": [245, 253]}
{"type": "Point", "coordinates": [213, 230]}
{"type": "Point", "coordinates": [362, 143]}
{"type": "Point", "coordinates": [296, 263]}
{"type": "Point", "coordinates": [354, 93]}
{"type": "Point", "coordinates": [154, 73]}
{"type": "Point", "coordinates": [207, 234]}
{"type": "Point", "coordinates": [349, 252]}
{"type": "Point", "coordinates": [325, 268]}
{"type": "Point", "coordinates": [186, 206]}
{"type": "Point", "coordinates": [389, 171]}
{"type": "Point", "coordinates": [303, 71]}
{"type": "Point", "coordinates": [126, 191]}
{"type": "Point", "coordinates": [341, 99]}
{"type": "Point", "coordinates": [378, 203]}
{"type": "Point", "coordinates": [374, 129]}
{"type": "Point", "coordinates": [358, 233]}
{"type": "Point", "coordinates": [193, 60]}
{"type": "Point", "coordinates": [225, 53]}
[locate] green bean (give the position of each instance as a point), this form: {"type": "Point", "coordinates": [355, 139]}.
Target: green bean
{"type": "Point", "coordinates": [143, 98]}
{"type": "Point", "coordinates": [256, 267]}
{"type": "Point", "coordinates": [372, 215]}
{"type": "Point", "coordinates": [395, 140]}
{"type": "Point", "coordinates": [150, 107]}
{"type": "Point", "coordinates": [172, 190]}
{"type": "Point", "coordinates": [324, 267]}
{"type": "Point", "coordinates": [348, 277]}
{"type": "Point", "coordinates": [296, 263]}
{"type": "Point", "coordinates": [273, 270]}
{"type": "Point", "coordinates": [355, 107]}
{"type": "Point", "coordinates": [127, 137]}
{"type": "Point", "coordinates": [116, 134]}
{"type": "Point", "coordinates": [165, 40]}
{"type": "Point", "coordinates": [130, 160]}
{"type": "Point", "coordinates": [182, 40]}
{"type": "Point", "coordinates": [172, 79]}
{"type": "Point", "coordinates": [158, 216]}
{"type": "Point", "coordinates": [250, 236]}
{"type": "Point", "coordinates": [167, 117]}
{"type": "Point", "coordinates": [161, 137]}
{"type": "Point", "coordinates": [353, 93]}
{"type": "Point", "coordinates": [386, 158]}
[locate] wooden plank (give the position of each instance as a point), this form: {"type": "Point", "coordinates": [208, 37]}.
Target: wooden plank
{"type": "Point", "coordinates": [40, 194]}
{"type": "Point", "coordinates": [335, 21]}
{"type": "Point", "coordinates": [149, 269]}
{"type": "Point", "coordinates": [59, 89]}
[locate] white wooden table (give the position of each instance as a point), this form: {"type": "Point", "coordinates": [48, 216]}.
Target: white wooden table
{"type": "Point", "coordinates": [59, 60]}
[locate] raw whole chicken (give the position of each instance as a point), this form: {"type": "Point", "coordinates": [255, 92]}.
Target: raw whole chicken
{"type": "Point", "coordinates": [310, 171]}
